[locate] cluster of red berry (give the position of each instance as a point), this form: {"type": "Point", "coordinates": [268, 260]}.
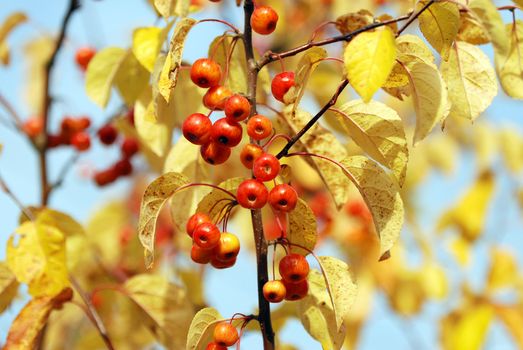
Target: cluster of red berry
{"type": "Point", "coordinates": [73, 132]}
{"type": "Point", "coordinates": [209, 244]}
{"type": "Point", "coordinates": [224, 335]}
{"type": "Point", "coordinates": [294, 270]}
{"type": "Point", "coordinates": [83, 56]}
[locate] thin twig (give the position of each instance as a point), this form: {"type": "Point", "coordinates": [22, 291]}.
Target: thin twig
{"type": "Point", "coordinates": [14, 198]}
{"type": "Point", "coordinates": [414, 16]}
{"type": "Point", "coordinates": [12, 112]}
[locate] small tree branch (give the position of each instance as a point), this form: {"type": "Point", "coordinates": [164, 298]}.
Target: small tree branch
{"type": "Point", "coordinates": [414, 16]}
{"type": "Point", "coordinates": [14, 198]}
{"type": "Point", "coordinates": [313, 120]}
{"type": "Point", "coordinates": [12, 112]}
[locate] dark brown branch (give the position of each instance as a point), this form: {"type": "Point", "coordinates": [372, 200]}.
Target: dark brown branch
{"type": "Point", "coordinates": [92, 314]}
{"type": "Point", "coordinates": [264, 316]}
{"type": "Point", "coordinates": [313, 120]}
{"type": "Point", "coordinates": [47, 102]}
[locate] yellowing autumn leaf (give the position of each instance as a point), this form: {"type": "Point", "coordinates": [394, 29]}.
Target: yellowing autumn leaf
{"type": "Point", "coordinates": [511, 143]}
{"type": "Point", "coordinates": [167, 311]}
{"type": "Point", "coordinates": [10, 23]}
{"type": "Point", "coordinates": [471, 30]}
{"type": "Point", "coordinates": [381, 196]}
{"type": "Point", "coordinates": [304, 70]}
{"type": "Point", "coordinates": [155, 135]}
{"type": "Point", "coordinates": [38, 258]}
{"type": "Point", "coordinates": [369, 59]}
{"type": "Point", "coordinates": [62, 221]}
{"type": "Point", "coordinates": [214, 202]}
{"type": "Point", "coordinates": [221, 51]}
{"type": "Point", "coordinates": [147, 42]}
{"type": "Point", "coordinates": [439, 24]}
{"type": "Point", "coordinates": [156, 194]}
{"type": "Point", "coordinates": [169, 74]}
{"type": "Point", "coordinates": [28, 325]}
{"type": "Point", "coordinates": [510, 66]}
{"type": "Point", "coordinates": [503, 270]}
{"type": "Point", "coordinates": [350, 22]}
{"type": "Point", "coordinates": [131, 79]}
{"type": "Point", "coordinates": [8, 286]}
{"type": "Point", "coordinates": [434, 281]}
{"type": "Point", "coordinates": [470, 79]}
{"type": "Point", "coordinates": [512, 317]}
{"type": "Point", "coordinates": [378, 130]}
{"type": "Point", "coordinates": [302, 228]}
{"type": "Point", "coordinates": [37, 53]}
{"type": "Point", "coordinates": [489, 16]}
{"type": "Point", "coordinates": [469, 214]}
{"type": "Point", "coordinates": [101, 72]}
{"type": "Point", "coordinates": [317, 315]}
{"type": "Point", "coordinates": [168, 8]}
{"type": "Point", "coordinates": [201, 329]}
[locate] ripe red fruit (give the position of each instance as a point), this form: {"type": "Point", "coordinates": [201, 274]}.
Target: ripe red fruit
{"type": "Point", "coordinates": [294, 268]}
{"type": "Point", "coordinates": [266, 167]}
{"type": "Point", "coordinates": [206, 73]}
{"type": "Point", "coordinates": [130, 116]}
{"type": "Point", "coordinates": [105, 177]}
{"type": "Point", "coordinates": [83, 56]}
{"type": "Point", "coordinates": [264, 20]}
{"type": "Point", "coordinates": [237, 108]}
{"type": "Point", "coordinates": [259, 127]}
{"type": "Point", "coordinates": [123, 167]}
{"type": "Point", "coordinates": [215, 97]}
{"type": "Point", "coordinates": [206, 236]}
{"type": "Point", "coordinates": [213, 345]}
{"type": "Point", "coordinates": [274, 291]}
{"type": "Point", "coordinates": [252, 194]}
{"type": "Point", "coordinates": [201, 256]}
{"type": "Point", "coordinates": [296, 291]}
{"type": "Point", "coordinates": [249, 154]}
{"type": "Point", "coordinates": [225, 334]}
{"type": "Point", "coordinates": [129, 147]}
{"type": "Point", "coordinates": [83, 123]}
{"type": "Point", "coordinates": [228, 247]}
{"type": "Point", "coordinates": [107, 134]}
{"type": "Point", "coordinates": [197, 128]}
{"type": "Point", "coordinates": [194, 221]}
{"type": "Point", "coordinates": [33, 127]}
{"type": "Point", "coordinates": [215, 153]}
{"type": "Point", "coordinates": [227, 133]}
{"type": "Point", "coordinates": [219, 264]}
{"type": "Point", "coordinates": [283, 198]}
{"type": "Point", "coordinates": [81, 141]}
{"type": "Point", "coordinates": [55, 141]}
{"type": "Point", "coordinates": [281, 83]}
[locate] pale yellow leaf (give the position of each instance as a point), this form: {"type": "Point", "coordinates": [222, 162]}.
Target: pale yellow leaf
{"type": "Point", "coordinates": [155, 135]}
{"type": "Point", "coordinates": [512, 316]}
{"type": "Point", "coordinates": [10, 23]}
{"type": "Point", "coordinates": [302, 228]}
{"type": "Point", "coordinates": [470, 79]}
{"type": "Point", "coordinates": [62, 221]}
{"type": "Point", "coordinates": [490, 18]}
{"type": "Point", "coordinates": [214, 202]}
{"type": "Point", "coordinates": [503, 271]}
{"type": "Point", "coordinates": [201, 329]}
{"type": "Point", "coordinates": [168, 8]}
{"type": "Point", "coordinates": [439, 24]}
{"type": "Point", "coordinates": [486, 144]}
{"type": "Point", "coordinates": [37, 53]}
{"type": "Point", "coordinates": [101, 72]}
{"type": "Point", "coordinates": [36, 256]}
{"type": "Point", "coordinates": [353, 21]}
{"type": "Point", "coordinates": [304, 70]}
{"type": "Point", "coordinates": [378, 130]}
{"type": "Point", "coordinates": [511, 143]}
{"type": "Point", "coordinates": [131, 79]}
{"type": "Point", "coordinates": [154, 197]}
{"type": "Point", "coordinates": [166, 308]}
{"type": "Point", "coordinates": [8, 286]}
{"type": "Point", "coordinates": [434, 280]}
{"type": "Point", "coordinates": [369, 59]}
{"type": "Point", "coordinates": [471, 30]}
{"type": "Point", "coordinates": [147, 42]}
{"type": "Point", "coordinates": [510, 66]}
{"type": "Point", "coordinates": [169, 74]}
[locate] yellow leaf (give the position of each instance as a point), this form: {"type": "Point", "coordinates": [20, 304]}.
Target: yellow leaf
{"type": "Point", "coordinates": [168, 8]}
{"type": "Point", "coordinates": [153, 199]}
{"type": "Point", "coordinates": [503, 271]}
{"type": "Point", "coordinates": [430, 97]}
{"type": "Point", "coordinates": [442, 152]}
{"type": "Point", "coordinates": [381, 196]}
{"type": "Point", "coordinates": [510, 66]}
{"type": "Point", "coordinates": [306, 66]}
{"type": "Point", "coordinates": [471, 30]}
{"type": "Point", "coordinates": [101, 72]}
{"type": "Point", "coordinates": [10, 23]}
{"type": "Point", "coordinates": [512, 149]}
{"type": "Point", "coordinates": [131, 79]}
{"type": "Point", "coordinates": [378, 130]}
{"type": "Point", "coordinates": [353, 21]}
{"type": "Point", "coordinates": [461, 249]}
{"type": "Point", "coordinates": [166, 308]}
{"type": "Point", "coordinates": [147, 42]}
{"type": "Point", "coordinates": [434, 281]}
{"type": "Point", "coordinates": [155, 135]}
{"type": "Point", "coordinates": [201, 329]}
{"type": "Point", "coordinates": [38, 53]}
{"type": "Point", "coordinates": [322, 142]}
{"type": "Point", "coordinates": [369, 59]}
{"type": "Point", "coordinates": [8, 286]}
{"type": "Point", "coordinates": [26, 328]}
{"type": "Point", "coordinates": [486, 144]}
{"type": "Point", "coordinates": [302, 228]}
{"type": "Point", "coordinates": [439, 24]}
{"type": "Point", "coordinates": [469, 214]}
{"type": "Point", "coordinates": [169, 74]}
{"type": "Point", "coordinates": [490, 18]}
{"type": "Point", "coordinates": [36, 256]}
{"type": "Point", "coordinates": [407, 294]}
{"type": "Point", "coordinates": [470, 79]}
{"type": "Point", "coordinates": [512, 318]}
{"type": "Point", "coordinates": [220, 50]}
{"type": "Point", "coordinates": [317, 315]}
{"type": "Point", "coordinates": [62, 221]}
{"type": "Point", "coordinates": [214, 202]}
{"type": "Point", "coordinates": [342, 286]}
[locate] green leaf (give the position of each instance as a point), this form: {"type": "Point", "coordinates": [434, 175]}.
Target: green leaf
{"type": "Point", "coordinates": [302, 228]}
{"type": "Point", "coordinates": [156, 194]}
{"type": "Point", "coordinates": [202, 327]}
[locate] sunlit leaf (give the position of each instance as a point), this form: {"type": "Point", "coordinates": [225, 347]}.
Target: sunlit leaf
{"type": "Point", "coordinates": [512, 318]}
{"type": "Point", "coordinates": [353, 21]}
{"type": "Point", "coordinates": [156, 194]}
{"type": "Point", "coordinates": [153, 133]}
{"type": "Point", "coordinates": [131, 79]}
{"type": "Point", "coordinates": [378, 130]}
{"type": "Point", "coordinates": [439, 23]}
{"type": "Point", "coordinates": [503, 271]}
{"type": "Point", "coordinates": [201, 329]}
{"type": "Point", "coordinates": [214, 203]}
{"type": "Point", "coordinates": [8, 286]}
{"type": "Point", "coordinates": [490, 18]}
{"type": "Point", "coordinates": [471, 30]}
{"type": "Point", "coordinates": [304, 70]}
{"type": "Point", "coordinates": [434, 281]}
{"type": "Point", "coordinates": [369, 59]}
{"type": "Point", "coordinates": [10, 23]}
{"type": "Point", "coordinates": [221, 51]}
{"type": "Point", "coordinates": [168, 8]}
{"type": "Point", "coordinates": [37, 52]}
{"type": "Point", "coordinates": [510, 66]}
{"type": "Point", "coordinates": [62, 221]}
{"type": "Point", "coordinates": [302, 228]}
{"type": "Point", "coordinates": [511, 143]}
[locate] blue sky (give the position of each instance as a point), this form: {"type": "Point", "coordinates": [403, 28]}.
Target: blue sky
{"type": "Point", "coordinates": [110, 23]}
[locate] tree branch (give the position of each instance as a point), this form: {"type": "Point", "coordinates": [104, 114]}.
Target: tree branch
{"type": "Point", "coordinates": [313, 120]}
{"type": "Point", "coordinates": [264, 316]}
{"type": "Point", "coordinates": [414, 16]}
{"type": "Point", "coordinates": [14, 198]}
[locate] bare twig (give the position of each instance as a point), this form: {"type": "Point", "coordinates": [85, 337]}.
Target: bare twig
{"type": "Point", "coordinates": [12, 112]}
{"type": "Point", "coordinates": [414, 16]}
{"type": "Point", "coordinates": [14, 198]}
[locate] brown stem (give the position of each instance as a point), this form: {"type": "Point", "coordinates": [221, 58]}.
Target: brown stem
{"type": "Point", "coordinates": [47, 103]}
{"type": "Point", "coordinates": [12, 112]}
{"type": "Point", "coordinates": [92, 314]}
{"type": "Point", "coordinates": [414, 16]}
{"type": "Point", "coordinates": [14, 198]}
{"type": "Point", "coordinates": [264, 316]}
{"type": "Point", "coordinates": [313, 120]}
